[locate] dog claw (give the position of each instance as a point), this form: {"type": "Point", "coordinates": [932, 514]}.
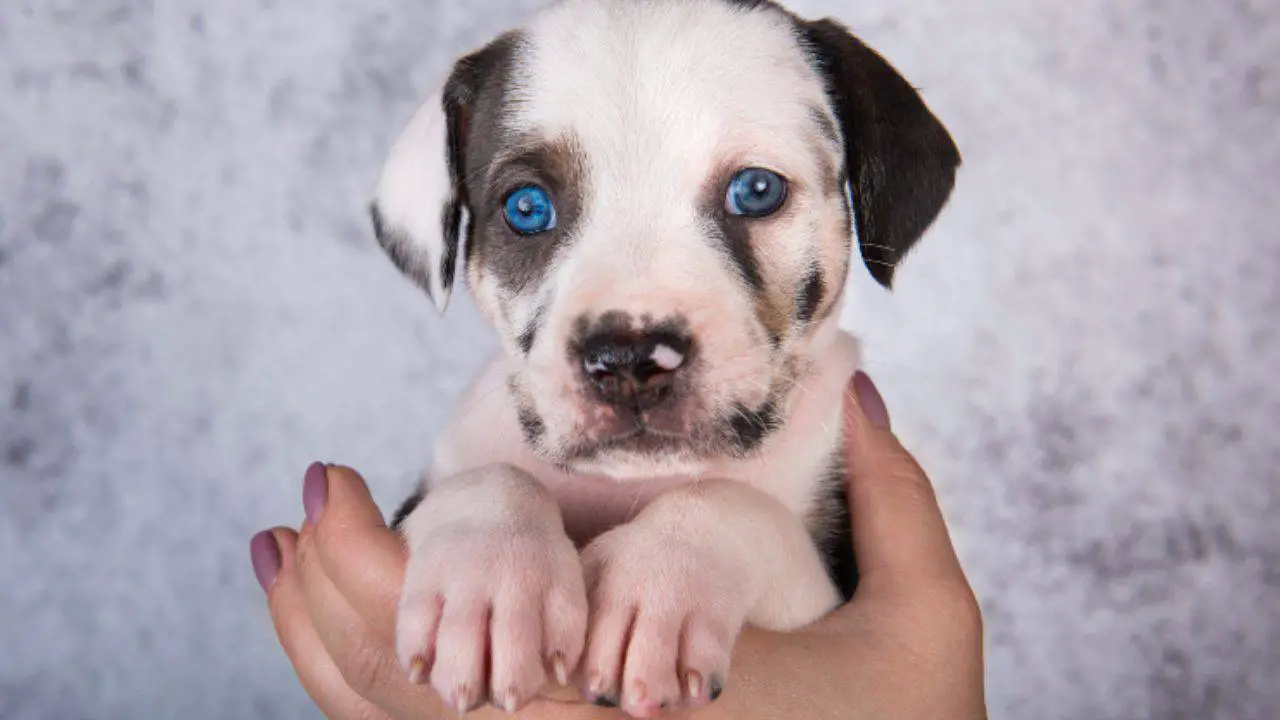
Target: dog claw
{"type": "Point", "coordinates": [693, 684]}
{"type": "Point", "coordinates": [418, 670]}
{"type": "Point", "coordinates": [559, 669]}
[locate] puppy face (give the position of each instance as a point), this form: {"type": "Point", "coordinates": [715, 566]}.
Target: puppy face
{"type": "Point", "coordinates": [658, 201]}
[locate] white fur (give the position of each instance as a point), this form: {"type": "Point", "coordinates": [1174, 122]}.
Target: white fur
{"type": "Point", "coordinates": [490, 568]}
{"type": "Point", "coordinates": [662, 98]}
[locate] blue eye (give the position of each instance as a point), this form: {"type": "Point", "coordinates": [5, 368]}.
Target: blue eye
{"type": "Point", "coordinates": [755, 192]}
{"type": "Point", "coordinates": [529, 210]}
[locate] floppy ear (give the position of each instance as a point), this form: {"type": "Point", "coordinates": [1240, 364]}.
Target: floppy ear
{"type": "Point", "coordinates": [418, 206]}
{"type": "Point", "coordinates": [422, 205]}
{"type": "Point", "coordinates": [900, 160]}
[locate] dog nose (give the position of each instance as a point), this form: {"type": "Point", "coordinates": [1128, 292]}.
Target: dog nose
{"type": "Point", "coordinates": [635, 370]}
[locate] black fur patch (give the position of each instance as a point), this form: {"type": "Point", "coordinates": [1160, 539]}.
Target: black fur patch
{"type": "Point", "coordinates": [834, 531]}
{"type": "Point", "coordinates": [735, 235]}
{"type": "Point", "coordinates": [751, 427]}
{"type": "Point", "coordinates": [810, 297]}
{"type": "Point", "coordinates": [531, 425]}
{"type": "Point", "coordinates": [751, 4]}
{"type": "Point", "coordinates": [408, 506]}
{"type": "Point", "coordinates": [529, 335]}
{"type": "Point", "coordinates": [452, 222]}
{"type": "Point", "coordinates": [397, 244]}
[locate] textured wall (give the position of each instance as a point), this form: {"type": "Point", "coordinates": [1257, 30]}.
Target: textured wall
{"type": "Point", "coordinates": [191, 308]}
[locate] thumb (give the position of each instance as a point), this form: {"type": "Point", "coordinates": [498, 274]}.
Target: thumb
{"type": "Point", "coordinates": [899, 534]}
{"type": "Point", "coordinates": [361, 556]}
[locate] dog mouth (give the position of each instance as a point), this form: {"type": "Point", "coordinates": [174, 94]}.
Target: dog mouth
{"type": "Point", "coordinates": [640, 439]}
{"type": "Point", "coordinates": [692, 430]}
{"type": "Point", "coordinates": [735, 434]}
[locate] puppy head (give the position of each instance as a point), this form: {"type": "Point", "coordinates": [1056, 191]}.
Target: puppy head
{"type": "Point", "coordinates": [658, 201]}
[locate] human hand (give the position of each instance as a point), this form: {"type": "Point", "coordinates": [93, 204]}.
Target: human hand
{"type": "Point", "coordinates": [909, 645]}
{"type": "Point", "coordinates": [333, 590]}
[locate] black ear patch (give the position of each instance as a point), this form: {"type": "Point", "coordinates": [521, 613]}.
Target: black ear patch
{"type": "Point", "coordinates": [900, 160]}
{"type": "Point", "coordinates": [474, 76]}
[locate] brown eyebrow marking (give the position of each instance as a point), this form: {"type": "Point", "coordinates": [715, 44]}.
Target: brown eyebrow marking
{"type": "Point", "coordinates": [832, 173]}
{"type": "Point", "coordinates": [520, 264]}
{"type": "Point", "coordinates": [826, 125]}
{"type": "Point", "coordinates": [558, 161]}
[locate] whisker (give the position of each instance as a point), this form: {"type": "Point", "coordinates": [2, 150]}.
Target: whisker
{"type": "Point", "coordinates": [480, 401]}
{"type": "Point", "coordinates": [880, 262]}
{"type": "Point", "coordinates": [878, 247]}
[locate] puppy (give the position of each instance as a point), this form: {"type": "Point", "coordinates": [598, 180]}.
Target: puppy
{"type": "Point", "coordinates": [659, 201]}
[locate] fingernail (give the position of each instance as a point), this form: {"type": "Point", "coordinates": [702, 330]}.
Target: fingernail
{"type": "Point", "coordinates": [605, 701]}
{"type": "Point", "coordinates": [315, 491]}
{"type": "Point", "coordinates": [870, 401]}
{"type": "Point", "coordinates": [716, 688]}
{"type": "Point", "coordinates": [264, 552]}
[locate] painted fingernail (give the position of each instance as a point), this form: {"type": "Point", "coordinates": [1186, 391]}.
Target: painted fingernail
{"type": "Point", "coordinates": [693, 684]}
{"type": "Point", "coordinates": [717, 687]}
{"type": "Point", "coordinates": [264, 552]}
{"type": "Point", "coordinates": [558, 668]}
{"type": "Point", "coordinates": [315, 491]}
{"type": "Point", "coordinates": [870, 401]}
{"type": "Point", "coordinates": [605, 701]}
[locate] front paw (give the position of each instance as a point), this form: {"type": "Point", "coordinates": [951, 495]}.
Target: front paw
{"type": "Point", "coordinates": [494, 603]}
{"type": "Point", "coordinates": [666, 609]}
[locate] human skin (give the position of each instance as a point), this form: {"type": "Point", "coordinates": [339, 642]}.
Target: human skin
{"type": "Point", "coordinates": [907, 646]}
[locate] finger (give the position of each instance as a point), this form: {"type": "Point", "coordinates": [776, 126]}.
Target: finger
{"type": "Point", "coordinates": [360, 555]}
{"type": "Point", "coordinates": [365, 659]}
{"type": "Point", "coordinates": [899, 534]}
{"type": "Point", "coordinates": [316, 671]}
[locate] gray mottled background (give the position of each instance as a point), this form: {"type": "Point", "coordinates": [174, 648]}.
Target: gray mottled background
{"type": "Point", "coordinates": [1084, 351]}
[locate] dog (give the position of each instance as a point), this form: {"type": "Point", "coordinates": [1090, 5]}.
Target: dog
{"type": "Point", "coordinates": [657, 202]}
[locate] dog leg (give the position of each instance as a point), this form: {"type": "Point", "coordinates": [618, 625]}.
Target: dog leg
{"type": "Point", "coordinates": [670, 591]}
{"type": "Point", "coordinates": [493, 602]}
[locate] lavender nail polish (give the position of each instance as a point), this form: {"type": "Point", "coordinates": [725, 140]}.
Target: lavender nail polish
{"type": "Point", "coordinates": [315, 491]}
{"type": "Point", "coordinates": [264, 552]}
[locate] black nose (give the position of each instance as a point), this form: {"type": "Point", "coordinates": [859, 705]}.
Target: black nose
{"type": "Point", "coordinates": [636, 370]}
